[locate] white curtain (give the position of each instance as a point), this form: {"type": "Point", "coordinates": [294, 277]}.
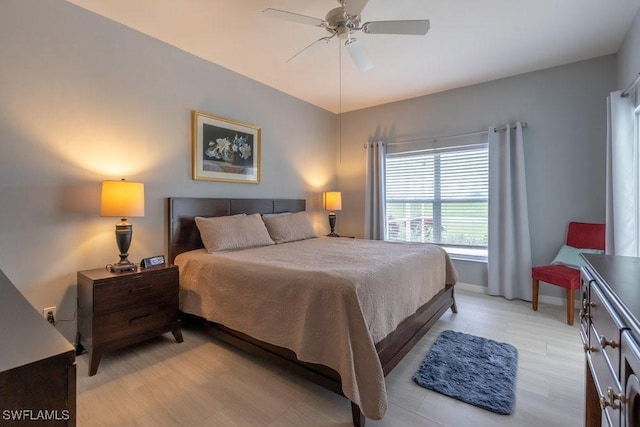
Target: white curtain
{"type": "Point", "coordinates": [509, 244]}
{"type": "Point", "coordinates": [374, 212]}
{"type": "Point", "coordinates": [622, 222]}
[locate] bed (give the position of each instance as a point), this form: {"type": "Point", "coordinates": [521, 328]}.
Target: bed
{"type": "Point", "coordinates": [334, 333]}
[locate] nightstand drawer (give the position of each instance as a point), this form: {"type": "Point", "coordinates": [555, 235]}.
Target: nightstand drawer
{"type": "Point", "coordinates": [125, 323]}
{"type": "Point", "coordinates": [135, 290]}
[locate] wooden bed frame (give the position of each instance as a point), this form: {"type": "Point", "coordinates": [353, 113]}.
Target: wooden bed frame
{"type": "Point", "coordinates": [184, 236]}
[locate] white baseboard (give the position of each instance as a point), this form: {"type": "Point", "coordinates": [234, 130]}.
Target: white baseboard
{"type": "Point", "coordinates": [479, 289]}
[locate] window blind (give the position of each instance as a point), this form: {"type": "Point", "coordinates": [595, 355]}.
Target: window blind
{"type": "Point", "coordinates": [438, 195]}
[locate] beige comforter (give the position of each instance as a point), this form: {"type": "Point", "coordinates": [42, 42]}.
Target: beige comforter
{"type": "Point", "coordinates": [329, 300]}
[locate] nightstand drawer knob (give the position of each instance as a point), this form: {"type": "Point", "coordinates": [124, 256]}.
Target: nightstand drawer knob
{"type": "Point", "coordinates": [140, 319]}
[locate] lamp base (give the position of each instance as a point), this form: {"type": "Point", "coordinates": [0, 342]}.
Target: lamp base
{"type": "Point", "coordinates": [124, 230]}
{"type": "Point", "coordinates": [332, 224]}
{"type": "Point", "coordinates": [123, 268]}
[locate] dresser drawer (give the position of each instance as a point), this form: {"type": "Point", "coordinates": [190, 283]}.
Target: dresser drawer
{"type": "Point", "coordinates": [135, 290]}
{"type": "Point", "coordinates": [605, 329]}
{"type": "Point", "coordinates": [584, 306]}
{"type": "Point", "coordinates": [127, 323]}
{"type": "Point", "coordinates": [605, 381]}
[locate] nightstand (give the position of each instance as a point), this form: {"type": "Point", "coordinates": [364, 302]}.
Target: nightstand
{"type": "Point", "coordinates": [119, 309]}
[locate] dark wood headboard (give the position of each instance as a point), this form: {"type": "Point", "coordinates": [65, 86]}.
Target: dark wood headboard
{"type": "Point", "coordinates": [183, 233]}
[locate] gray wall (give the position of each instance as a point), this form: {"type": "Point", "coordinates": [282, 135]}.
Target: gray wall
{"type": "Point", "coordinates": [84, 99]}
{"type": "Point", "coordinates": [629, 55]}
{"type": "Point", "coordinates": [565, 108]}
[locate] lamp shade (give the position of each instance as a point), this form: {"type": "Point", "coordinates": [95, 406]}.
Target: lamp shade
{"type": "Point", "coordinates": [333, 201]}
{"type": "Point", "coordinates": [122, 199]}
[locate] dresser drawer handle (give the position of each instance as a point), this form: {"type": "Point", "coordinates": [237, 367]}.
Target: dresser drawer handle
{"type": "Point", "coordinates": [144, 289]}
{"type": "Point", "coordinates": [613, 400]}
{"type": "Point", "coordinates": [587, 348]}
{"type": "Point", "coordinates": [139, 319]}
{"type": "Point", "coordinates": [604, 343]}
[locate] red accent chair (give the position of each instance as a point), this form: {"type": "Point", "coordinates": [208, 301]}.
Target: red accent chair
{"type": "Point", "coordinates": [580, 235]}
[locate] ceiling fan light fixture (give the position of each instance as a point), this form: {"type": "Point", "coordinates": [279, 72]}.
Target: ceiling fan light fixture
{"type": "Point", "coordinates": [359, 56]}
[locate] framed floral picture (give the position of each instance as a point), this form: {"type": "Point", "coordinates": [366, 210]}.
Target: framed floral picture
{"type": "Point", "coordinates": [225, 150]}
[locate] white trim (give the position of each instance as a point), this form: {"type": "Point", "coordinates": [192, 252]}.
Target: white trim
{"type": "Point", "coordinates": [468, 287]}
{"type": "Point", "coordinates": [467, 253]}
{"type": "Point", "coordinates": [480, 259]}
{"type": "Point", "coordinates": [479, 289]}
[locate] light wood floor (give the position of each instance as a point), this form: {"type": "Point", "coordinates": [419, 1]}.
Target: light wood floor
{"type": "Point", "coordinates": [202, 382]}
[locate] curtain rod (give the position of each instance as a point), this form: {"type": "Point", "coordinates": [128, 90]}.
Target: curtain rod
{"type": "Point", "coordinates": [479, 132]}
{"type": "Point", "coordinates": [625, 93]}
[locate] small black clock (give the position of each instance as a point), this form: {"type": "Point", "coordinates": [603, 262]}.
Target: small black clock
{"type": "Point", "coordinates": [152, 261]}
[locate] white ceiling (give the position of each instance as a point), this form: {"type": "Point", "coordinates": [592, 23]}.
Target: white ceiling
{"type": "Point", "coordinates": [470, 41]}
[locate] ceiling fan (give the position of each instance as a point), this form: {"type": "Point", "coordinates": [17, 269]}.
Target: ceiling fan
{"type": "Point", "coordinates": [343, 21]}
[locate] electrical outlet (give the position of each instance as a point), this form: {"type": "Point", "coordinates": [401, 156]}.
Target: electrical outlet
{"type": "Point", "coordinates": [49, 313]}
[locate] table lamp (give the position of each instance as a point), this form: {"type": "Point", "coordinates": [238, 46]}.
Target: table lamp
{"type": "Point", "coordinates": [332, 203]}
{"type": "Point", "coordinates": [122, 199]}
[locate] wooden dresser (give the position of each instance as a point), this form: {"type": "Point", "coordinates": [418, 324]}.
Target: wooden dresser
{"type": "Point", "coordinates": [37, 366]}
{"type": "Point", "coordinates": [611, 335]}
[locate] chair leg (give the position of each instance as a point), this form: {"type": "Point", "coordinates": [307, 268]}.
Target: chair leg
{"type": "Point", "coordinates": [534, 299]}
{"type": "Point", "coordinates": [571, 303]}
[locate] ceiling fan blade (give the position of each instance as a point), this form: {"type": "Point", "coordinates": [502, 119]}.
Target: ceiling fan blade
{"type": "Point", "coordinates": [311, 48]}
{"type": "Point", "coordinates": [358, 54]}
{"type": "Point", "coordinates": [354, 7]}
{"type": "Point", "coordinates": [410, 27]}
{"type": "Point", "coordinates": [294, 17]}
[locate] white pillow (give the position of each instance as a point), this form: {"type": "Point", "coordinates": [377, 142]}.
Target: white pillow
{"type": "Point", "coordinates": [570, 256]}
{"type": "Point", "coordinates": [232, 232]}
{"type": "Point", "coordinates": [290, 228]}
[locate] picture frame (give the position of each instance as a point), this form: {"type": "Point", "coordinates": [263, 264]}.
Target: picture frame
{"type": "Point", "coordinates": [225, 150]}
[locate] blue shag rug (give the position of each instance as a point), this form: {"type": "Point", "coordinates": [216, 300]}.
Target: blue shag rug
{"type": "Point", "coordinates": [475, 370]}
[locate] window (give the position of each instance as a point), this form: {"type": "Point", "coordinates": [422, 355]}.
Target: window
{"type": "Point", "coordinates": [440, 196]}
